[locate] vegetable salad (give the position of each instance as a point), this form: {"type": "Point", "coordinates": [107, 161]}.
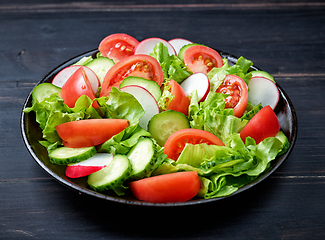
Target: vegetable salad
{"type": "Point", "coordinates": [132, 126]}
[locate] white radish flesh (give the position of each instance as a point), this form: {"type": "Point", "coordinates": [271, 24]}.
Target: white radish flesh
{"type": "Point", "coordinates": [60, 79]}
{"type": "Point", "coordinates": [264, 91]}
{"type": "Point", "coordinates": [88, 166]}
{"type": "Point", "coordinates": [198, 82]}
{"type": "Point", "coordinates": [146, 46]}
{"type": "Point", "coordinates": [178, 43]}
{"type": "Point", "coordinates": [147, 101]}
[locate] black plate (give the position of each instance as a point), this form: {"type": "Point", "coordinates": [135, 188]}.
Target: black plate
{"type": "Point", "coordinates": [31, 134]}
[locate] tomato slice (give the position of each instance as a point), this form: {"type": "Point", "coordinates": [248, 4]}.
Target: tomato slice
{"type": "Point", "coordinates": [172, 187]}
{"type": "Point", "coordinates": [181, 101]}
{"type": "Point", "coordinates": [139, 65]}
{"type": "Point", "coordinates": [117, 46]}
{"type": "Point", "coordinates": [238, 93]}
{"type": "Point", "coordinates": [78, 84]}
{"type": "Point", "coordinates": [202, 59]}
{"type": "Point", "coordinates": [263, 125]}
{"type": "Point", "coordinates": [89, 132]}
{"type": "Point", "coordinates": [176, 142]}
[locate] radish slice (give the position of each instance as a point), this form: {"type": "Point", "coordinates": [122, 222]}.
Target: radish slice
{"type": "Point", "coordinates": [146, 46]}
{"type": "Point", "coordinates": [89, 166]}
{"type": "Point", "coordinates": [147, 101]}
{"type": "Point", "coordinates": [178, 43]}
{"type": "Point", "coordinates": [60, 79]}
{"type": "Point", "coordinates": [199, 82]}
{"type": "Point", "coordinates": [264, 91]}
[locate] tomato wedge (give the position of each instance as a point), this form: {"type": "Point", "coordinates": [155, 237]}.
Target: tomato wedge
{"type": "Point", "coordinates": [172, 187]}
{"type": "Point", "coordinates": [78, 84]}
{"type": "Point", "coordinates": [238, 93]}
{"type": "Point", "coordinates": [181, 101]}
{"type": "Point", "coordinates": [89, 132]}
{"type": "Point", "coordinates": [139, 65]}
{"type": "Point", "coordinates": [200, 58]}
{"type": "Point", "coordinates": [263, 125]}
{"type": "Point", "coordinates": [117, 46]}
{"type": "Point", "coordinates": [176, 142]}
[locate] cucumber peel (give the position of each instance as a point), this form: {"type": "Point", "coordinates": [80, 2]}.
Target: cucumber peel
{"type": "Point", "coordinates": [111, 176]}
{"type": "Point", "coordinates": [66, 155]}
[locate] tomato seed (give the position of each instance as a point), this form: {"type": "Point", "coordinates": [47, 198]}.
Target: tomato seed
{"type": "Point", "coordinates": [210, 64]}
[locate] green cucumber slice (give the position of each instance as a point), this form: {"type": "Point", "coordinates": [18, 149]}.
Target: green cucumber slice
{"type": "Point", "coordinates": [151, 86]}
{"type": "Point", "coordinates": [66, 155]}
{"type": "Point", "coordinates": [44, 90]}
{"type": "Point", "coordinates": [142, 158]}
{"type": "Point", "coordinates": [164, 124]}
{"type": "Point", "coordinates": [252, 112]}
{"type": "Point", "coordinates": [111, 176]}
{"type": "Point", "coordinates": [100, 66]}
{"type": "Point", "coordinates": [259, 73]}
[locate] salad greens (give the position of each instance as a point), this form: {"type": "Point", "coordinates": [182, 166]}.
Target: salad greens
{"type": "Point", "coordinates": [222, 169]}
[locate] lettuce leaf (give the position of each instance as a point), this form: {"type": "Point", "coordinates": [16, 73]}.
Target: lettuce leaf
{"type": "Point", "coordinates": [52, 112]}
{"type": "Point", "coordinates": [171, 65]}
{"type": "Point", "coordinates": [224, 169]}
{"type": "Point", "coordinates": [121, 105]}
{"type": "Point", "coordinates": [212, 116]}
{"type": "Point", "coordinates": [120, 144]}
{"type": "Point", "coordinates": [217, 75]}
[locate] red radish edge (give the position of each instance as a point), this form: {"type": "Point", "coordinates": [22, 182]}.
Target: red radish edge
{"type": "Point", "coordinates": [66, 73]}
{"type": "Point", "coordinates": [146, 46]}
{"type": "Point", "coordinates": [199, 82]}
{"type": "Point", "coordinates": [263, 90]}
{"type": "Point", "coordinates": [147, 101]}
{"type": "Point", "coordinates": [88, 166]}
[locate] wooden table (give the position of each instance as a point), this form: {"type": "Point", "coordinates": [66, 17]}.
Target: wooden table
{"type": "Point", "coordinates": [285, 39]}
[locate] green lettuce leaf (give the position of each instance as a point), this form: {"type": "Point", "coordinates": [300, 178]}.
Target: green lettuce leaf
{"type": "Point", "coordinates": [212, 116]}
{"type": "Point", "coordinates": [224, 169]}
{"type": "Point", "coordinates": [121, 105]}
{"type": "Point", "coordinates": [121, 144]}
{"type": "Point", "coordinates": [52, 112]}
{"type": "Point", "coordinates": [217, 75]}
{"type": "Point", "coordinates": [171, 65]}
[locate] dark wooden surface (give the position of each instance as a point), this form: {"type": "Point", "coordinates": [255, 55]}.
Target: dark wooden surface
{"type": "Point", "coordinates": [285, 39]}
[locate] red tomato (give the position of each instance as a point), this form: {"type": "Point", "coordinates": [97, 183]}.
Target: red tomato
{"type": "Point", "coordinates": [238, 93]}
{"type": "Point", "coordinates": [172, 187]}
{"type": "Point", "coordinates": [263, 125]}
{"type": "Point", "coordinates": [78, 84]}
{"type": "Point", "coordinates": [89, 132]}
{"type": "Point", "coordinates": [176, 142]}
{"type": "Point", "coordinates": [117, 46]}
{"type": "Point", "coordinates": [202, 59]}
{"type": "Point", "coordinates": [181, 101]}
{"type": "Point", "coordinates": [139, 65]}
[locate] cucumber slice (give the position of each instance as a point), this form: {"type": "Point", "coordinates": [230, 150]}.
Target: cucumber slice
{"type": "Point", "coordinates": [164, 124]}
{"type": "Point", "coordinates": [66, 155]}
{"type": "Point", "coordinates": [250, 114]}
{"type": "Point", "coordinates": [151, 86]}
{"type": "Point", "coordinates": [100, 66]}
{"type": "Point", "coordinates": [259, 73]}
{"type": "Point", "coordinates": [142, 158]}
{"type": "Point", "coordinates": [44, 90]}
{"type": "Point", "coordinates": [184, 48]}
{"type": "Point", "coordinates": [111, 176]}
